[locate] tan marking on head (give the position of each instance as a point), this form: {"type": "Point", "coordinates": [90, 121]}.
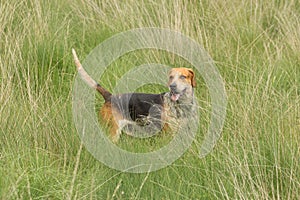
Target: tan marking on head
{"type": "Point", "coordinates": [187, 72]}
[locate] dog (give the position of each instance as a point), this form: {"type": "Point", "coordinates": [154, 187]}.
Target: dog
{"type": "Point", "coordinates": [161, 112]}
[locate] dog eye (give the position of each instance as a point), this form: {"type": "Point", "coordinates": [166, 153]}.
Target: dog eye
{"type": "Point", "coordinates": [182, 77]}
{"type": "Point", "coordinates": [171, 77]}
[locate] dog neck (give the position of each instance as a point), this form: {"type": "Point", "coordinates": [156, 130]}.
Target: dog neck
{"type": "Point", "coordinates": [187, 98]}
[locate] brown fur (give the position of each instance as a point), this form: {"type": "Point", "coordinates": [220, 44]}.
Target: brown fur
{"type": "Point", "coordinates": [176, 105]}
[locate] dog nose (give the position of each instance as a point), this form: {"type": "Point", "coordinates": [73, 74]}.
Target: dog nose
{"type": "Point", "coordinates": [173, 86]}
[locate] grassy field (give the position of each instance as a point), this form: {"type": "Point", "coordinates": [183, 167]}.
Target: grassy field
{"type": "Point", "coordinates": [256, 48]}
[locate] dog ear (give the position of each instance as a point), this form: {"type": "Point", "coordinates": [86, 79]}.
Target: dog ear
{"type": "Point", "coordinates": [193, 79]}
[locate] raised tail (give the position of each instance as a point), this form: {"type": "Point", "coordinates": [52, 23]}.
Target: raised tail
{"type": "Point", "coordinates": [89, 80]}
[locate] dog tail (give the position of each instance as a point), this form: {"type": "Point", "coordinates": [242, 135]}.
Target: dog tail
{"type": "Point", "coordinates": [89, 80]}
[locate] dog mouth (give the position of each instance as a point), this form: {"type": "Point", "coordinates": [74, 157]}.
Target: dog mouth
{"type": "Point", "coordinates": [175, 96]}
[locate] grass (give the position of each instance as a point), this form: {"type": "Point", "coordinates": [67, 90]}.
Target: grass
{"type": "Point", "coordinates": [256, 47]}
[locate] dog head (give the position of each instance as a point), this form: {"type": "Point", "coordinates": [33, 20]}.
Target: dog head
{"type": "Point", "coordinates": [181, 83]}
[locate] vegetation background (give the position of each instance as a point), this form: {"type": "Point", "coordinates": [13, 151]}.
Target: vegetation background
{"type": "Point", "coordinates": [256, 47]}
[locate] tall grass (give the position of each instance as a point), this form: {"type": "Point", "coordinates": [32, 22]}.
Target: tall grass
{"type": "Point", "coordinates": [256, 47]}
